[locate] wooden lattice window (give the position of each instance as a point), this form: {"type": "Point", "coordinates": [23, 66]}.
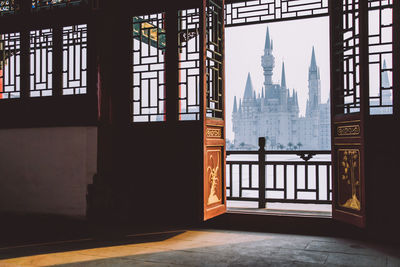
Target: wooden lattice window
{"type": "Point", "coordinates": [149, 84]}
{"type": "Point", "coordinates": [380, 44]}
{"type": "Point", "coordinates": [189, 64]}
{"type": "Point", "coordinates": [75, 59]}
{"type": "Point", "coordinates": [41, 63]}
{"type": "Point", "coordinates": [10, 76]}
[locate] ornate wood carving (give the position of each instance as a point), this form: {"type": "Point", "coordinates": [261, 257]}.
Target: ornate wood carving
{"type": "Point", "coordinates": [349, 182]}
{"type": "Point", "coordinates": [348, 130]}
{"type": "Point", "coordinates": [213, 172]}
{"type": "Point", "coordinates": [214, 133]}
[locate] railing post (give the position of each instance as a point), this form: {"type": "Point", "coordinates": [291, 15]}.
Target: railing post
{"type": "Point", "coordinates": [261, 173]}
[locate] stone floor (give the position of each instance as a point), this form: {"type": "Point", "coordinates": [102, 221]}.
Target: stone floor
{"type": "Point", "coordinates": [203, 248]}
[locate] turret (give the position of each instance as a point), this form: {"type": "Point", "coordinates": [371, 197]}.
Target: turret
{"type": "Point", "coordinates": [234, 105]}
{"type": "Point", "coordinates": [385, 83]}
{"type": "Point", "coordinates": [248, 91]}
{"type": "Point", "coordinates": [384, 76]}
{"type": "Point", "coordinates": [283, 81]}
{"type": "Point", "coordinates": [314, 86]}
{"type": "Point", "coordinates": [268, 61]}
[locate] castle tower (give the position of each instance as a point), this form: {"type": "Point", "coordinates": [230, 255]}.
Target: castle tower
{"type": "Point", "coordinates": [314, 86]}
{"type": "Point", "coordinates": [386, 94]}
{"type": "Point", "coordinates": [268, 62]}
{"type": "Point", "coordinates": [283, 90]}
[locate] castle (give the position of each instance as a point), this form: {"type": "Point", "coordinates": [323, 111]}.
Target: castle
{"type": "Point", "coordinates": [275, 113]}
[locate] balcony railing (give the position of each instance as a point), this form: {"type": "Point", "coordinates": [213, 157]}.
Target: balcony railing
{"type": "Point", "coordinates": [298, 176]}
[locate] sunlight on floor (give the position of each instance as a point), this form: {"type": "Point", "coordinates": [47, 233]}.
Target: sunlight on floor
{"type": "Point", "coordinates": [185, 240]}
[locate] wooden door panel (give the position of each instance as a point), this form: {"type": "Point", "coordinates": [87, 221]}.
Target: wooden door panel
{"type": "Point", "coordinates": [214, 174]}
{"type": "Point", "coordinates": [349, 95]}
{"type": "Point", "coordinates": [213, 108]}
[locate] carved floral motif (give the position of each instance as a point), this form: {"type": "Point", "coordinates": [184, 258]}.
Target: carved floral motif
{"type": "Point", "coordinates": [349, 173]}
{"type": "Point", "coordinates": [213, 180]}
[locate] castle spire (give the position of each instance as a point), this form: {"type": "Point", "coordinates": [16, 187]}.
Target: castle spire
{"type": "Point", "coordinates": [268, 63]}
{"type": "Point", "coordinates": [313, 71]}
{"type": "Point", "coordinates": [313, 65]}
{"type": "Point", "coordinates": [283, 82]}
{"type": "Point", "coordinates": [234, 105]}
{"type": "Point", "coordinates": [248, 91]}
{"type": "Point", "coordinates": [384, 76]}
{"type": "Point", "coordinates": [268, 43]}
{"type": "Point", "coordinates": [314, 87]}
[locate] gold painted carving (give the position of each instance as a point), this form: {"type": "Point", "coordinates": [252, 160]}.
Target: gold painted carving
{"type": "Point", "coordinates": [348, 130]}
{"type": "Point", "coordinates": [214, 133]}
{"type": "Point", "coordinates": [213, 181]}
{"type": "Point", "coordinates": [350, 165]}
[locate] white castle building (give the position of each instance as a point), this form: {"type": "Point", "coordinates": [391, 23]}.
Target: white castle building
{"type": "Point", "coordinates": [275, 113]}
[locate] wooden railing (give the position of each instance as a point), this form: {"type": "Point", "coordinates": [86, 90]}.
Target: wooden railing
{"type": "Point", "coordinates": [296, 176]}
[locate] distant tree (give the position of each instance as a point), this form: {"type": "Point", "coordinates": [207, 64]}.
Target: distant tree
{"type": "Point", "coordinates": [272, 146]}
{"type": "Point", "coordinates": [299, 145]}
{"type": "Point", "coordinates": [295, 148]}
{"type": "Point", "coordinates": [290, 146]}
{"type": "Point", "coordinates": [242, 144]}
{"type": "Point", "coordinates": [280, 146]}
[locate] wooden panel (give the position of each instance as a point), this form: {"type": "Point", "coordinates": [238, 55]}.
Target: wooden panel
{"type": "Point", "coordinates": [348, 173]}
{"type": "Point", "coordinates": [214, 170]}
{"type": "Point", "coordinates": [349, 95]}
{"type": "Point", "coordinates": [213, 108]}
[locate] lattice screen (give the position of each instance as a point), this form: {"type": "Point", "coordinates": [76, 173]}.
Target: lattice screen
{"type": "Point", "coordinates": [10, 45]}
{"type": "Point", "coordinates": [189, 64]}
{"type": "Point", "coordinates": [149, 91]}
{"type": "Point", "coordinates": [41, 63]}
{"type": "Point", "coordinates": [75, 59]}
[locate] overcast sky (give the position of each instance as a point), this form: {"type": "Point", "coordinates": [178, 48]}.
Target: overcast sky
{"type": "Point", "coordinates": [292, 42]}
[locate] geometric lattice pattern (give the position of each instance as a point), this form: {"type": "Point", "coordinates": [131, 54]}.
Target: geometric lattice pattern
{"type": "Point", "coordinates": [75, 59]}
{"type": "Point", "coordinates": [189, 64]}
{"type": "Point", "coordinates": [41, 62]}
{"type": "Point", "coordinates": [10, 65]}
{"type": "Point", "coordinates": [149, 95]}
{"type": "Point", "coordinates": [214, 58]}
{"type": "Point", "coordinates": [380, 44]}
{"type": "Point", "coordinates": [349, 59]}
{"type": "Point", "coordinates": [250, 12]}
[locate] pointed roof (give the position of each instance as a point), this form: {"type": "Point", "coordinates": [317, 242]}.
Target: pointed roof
{"type": "Point", "coordinates": [262, 93]}
{"type": "Point", "coordinates": [384, 76]}
{"type": "Point", "coordinates": [248, 91]}
{"type": "Point", "coordinates": [283, 81]}
{"type": "Point", "coordinates": [234, 105]}
{"type": "Point", "coordinates": [268, 42]}
{"type": "Point", "coordinates": [313, 65]}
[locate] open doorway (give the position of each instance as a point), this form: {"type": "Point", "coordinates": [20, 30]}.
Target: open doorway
{"type": "Point", "coordinates": [277, 88]}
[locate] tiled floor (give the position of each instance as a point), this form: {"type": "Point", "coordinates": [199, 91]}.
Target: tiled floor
{"type": "Point", "coordinates": [204, 248]}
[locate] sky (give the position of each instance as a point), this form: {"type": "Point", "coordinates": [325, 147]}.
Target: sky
{"type": "Point", "coordinates": [292, 43]}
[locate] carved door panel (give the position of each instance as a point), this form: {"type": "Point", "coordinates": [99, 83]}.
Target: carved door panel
{"type": "Point", "coordinates": [348, 172]}
{"type": "Point", "coordinates": [349, 88]}
{"type": "Point", "coordinates": [214, 187]}
{"type": "Point", "coordinates": [214, 169]}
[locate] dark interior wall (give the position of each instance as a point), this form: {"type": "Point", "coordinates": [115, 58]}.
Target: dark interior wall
{"type": "Point", "coordinates": [382, 178]}
{"type": "Point", "coordinates": [148, 172]}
